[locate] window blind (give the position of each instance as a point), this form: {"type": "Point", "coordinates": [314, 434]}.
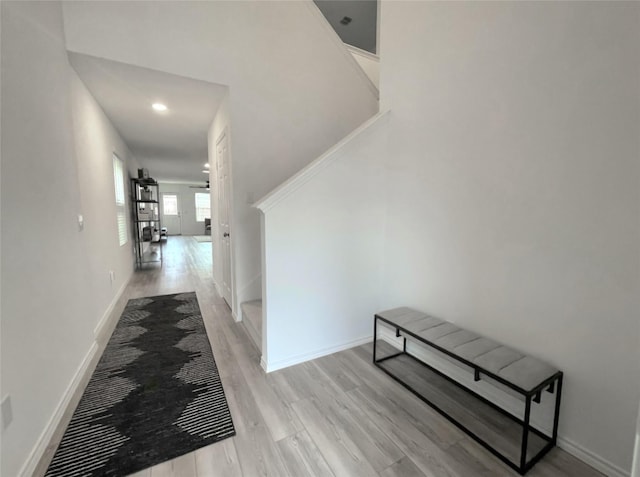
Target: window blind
{"type": "Point", "coordinates": [169, 204]}
{"type": "Point", "coordinates": [203, 206]}
{"type": "Point", "coordinates": [121, 213]}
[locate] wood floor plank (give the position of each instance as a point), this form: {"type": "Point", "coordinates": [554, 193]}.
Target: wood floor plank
{"type": "Point", "coordinates": [302, 457]}
{"type": "Point", "coordinates": [259, 454]}
{"type": "Point", "coordinates": [403, 468]}
{"type": "Point", "coordinates": [218, 460]}
{"type": "Point", "coordinates": [560, 463]}
{"type": "Point", "coordinates": [344, 415]}
{"type": "Point", "coordinates": [378, 448]}
{"type": "Point", "coordinates": [404, 406]}
{"type": "Point", "coordinates": [185, 465]}
{"type": "Point", "coordinates": [344, 377]}
{"type": "Point", "coordinates": [282, 387]}
{"type": "Point", "coordinates": [223, 355]}
{"type": "Point", "coordinates": [490, 425]}
{"type": "Point", "coordinates": [163, 470]}
{"type": "Point", "coordinates": [306, 380]}
{"type": "Point", "coordinates": [142, 473]}
{"type": "Point", "coordinates": [280, 419]}
{"type": "Point", "coordinates": [341, 453]}
{"type": "Point", "coordinates": [429, 456]}
{"type": "Point", "coordinates": [337, 415]}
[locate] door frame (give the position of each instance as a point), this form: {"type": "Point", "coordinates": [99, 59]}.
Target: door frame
{"type": "Point", "coordinates": [162, 214]}
{"type": "Point", "coordinates": [225, 135]}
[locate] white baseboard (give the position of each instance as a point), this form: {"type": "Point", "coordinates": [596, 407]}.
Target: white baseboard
{"type": "Point", "coordinates": [301, 358]}
{"type": "Point", "coordinates": [253, 333]}
{"type": "Point", "coordinates": [502, 399]}
{"type": "Point", "coordinates": [218, 289]}
{"type": "Point", "coordinates": [102, 325]}
{"type": "Point", "coordinates": [81, 373]}
{"type": "Point", "coordinates": [44, 440]}
{"type": "Point", "coordinates": [607, 468]}
{"type": "Point", "coordinates": [263, 363]}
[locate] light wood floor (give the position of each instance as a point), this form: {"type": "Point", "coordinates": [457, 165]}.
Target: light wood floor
{"type": "Point", "coordinates": [337, 415]}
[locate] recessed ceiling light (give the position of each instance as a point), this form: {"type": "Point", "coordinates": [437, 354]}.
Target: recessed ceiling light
{"type": "Point", "coordinates": [206, 172]}
{"type": "Point", "coordinates": [159, 107]}
{"type": "Point", "coordinates": [206, 164]}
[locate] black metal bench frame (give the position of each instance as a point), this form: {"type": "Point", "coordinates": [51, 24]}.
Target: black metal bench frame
{"type": "Point", "coordinates": [551, 384]}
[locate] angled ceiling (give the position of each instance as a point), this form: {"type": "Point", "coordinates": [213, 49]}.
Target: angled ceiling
{"type": "Point", "coordinates": [361, 31]}
{"type": "Point", "coordinates": [171, 144]}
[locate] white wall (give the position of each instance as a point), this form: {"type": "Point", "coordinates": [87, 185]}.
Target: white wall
{"type": "Point", "coordinates": [369, 63]}
{"type": "Point", "coordinates": [513, 191]}
{"type": "Point", "coordinates": [294, 91]}
{"type": "Point", "coordinates": [512, 202]}
{"type": "Point", "coordinates": [96, 140]}
{"type": "Point", "coordinates": [187, 199]}
{"type": "Point", "coordinates": [55, 283]}
{"type": "Point", "coordinates": [322, 246]}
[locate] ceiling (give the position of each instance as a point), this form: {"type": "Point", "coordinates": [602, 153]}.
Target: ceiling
{"type": "Point", "coordinates": [361, 31]}
{"type": "Point", "coordinates": [172, 145]}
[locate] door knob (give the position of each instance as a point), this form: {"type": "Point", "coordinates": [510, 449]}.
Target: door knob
{"type": "Point", "coordinates": [226, 234]}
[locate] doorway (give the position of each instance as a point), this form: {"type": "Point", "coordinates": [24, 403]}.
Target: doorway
{"type": "Point", "coordinates": [171, 213]}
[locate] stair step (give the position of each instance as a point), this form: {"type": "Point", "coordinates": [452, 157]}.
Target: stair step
{"type": "Point", "coordinates": [252, 319]}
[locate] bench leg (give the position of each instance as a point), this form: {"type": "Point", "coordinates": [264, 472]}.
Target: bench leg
{"type": "Point", "coordinates": [375, 341]}
{"type": "Point", "coordinates": [375, 337]}
{"type": "Point", "coordinates": [556, 415]}
{"type": "Point", "coordinates": [525, 434]}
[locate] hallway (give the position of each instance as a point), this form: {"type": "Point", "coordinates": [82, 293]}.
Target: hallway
{"type": "Point", "coordinates": [336, 415]}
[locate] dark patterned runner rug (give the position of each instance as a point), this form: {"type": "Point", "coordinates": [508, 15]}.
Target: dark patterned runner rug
{"type": "Point", "coordinates": [154, 395]}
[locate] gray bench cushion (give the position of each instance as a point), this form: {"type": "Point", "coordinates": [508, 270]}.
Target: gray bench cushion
{"type": "Point", "coordinates": [526, 372]}
{"type": "Point", "coordinates": [455, 340]}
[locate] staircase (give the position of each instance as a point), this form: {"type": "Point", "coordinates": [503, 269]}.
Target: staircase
{"type": "Point", "coordinates": [252, 320]}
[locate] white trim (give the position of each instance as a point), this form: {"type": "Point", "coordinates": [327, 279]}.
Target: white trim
{"type": "Point", "coordinates": [315, 11]}
{"type": "Point", "coordinates": [218, 289]}
{"type": "Point", "coordinates": [101, 327]}
{"type": "Point", "coordinates": [263, 275]}
{"type": "Point", "coordinates": [301, 358]}
{"type": "Point", "coordinates": [500, 398]}
{"type": "Point", "coordinates": [313, 168]}
{"type": "Point", "coordinates": [44, 440]}
{"type": "Point", "coordinates": [235, 316]}
{"type": "Point", "coordinates": [359, 51]}
{"type": "Point", "coordinates": [599, 463]}
{"type": "Point", "coordinates": [263, 364]}
{"type": "Point", "coordinates": [251, 331]}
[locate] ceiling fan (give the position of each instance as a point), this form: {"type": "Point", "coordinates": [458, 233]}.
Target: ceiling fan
{"type": "Point", "coordinates": [200, 186]}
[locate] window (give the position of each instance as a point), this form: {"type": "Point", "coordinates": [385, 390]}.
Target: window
{"type": "Point", "coordinates": [169, 204]}
{"type": "Point", "coordinates": [121, 212]}
{"type": "Point", "coordinates": [203, 206]}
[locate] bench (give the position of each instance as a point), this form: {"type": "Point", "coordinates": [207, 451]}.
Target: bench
{"type": "Point", "coordinates": [524, 376]}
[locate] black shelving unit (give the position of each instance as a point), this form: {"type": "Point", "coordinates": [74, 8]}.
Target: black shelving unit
{"type": "Point", "coordinates": [146, 221]}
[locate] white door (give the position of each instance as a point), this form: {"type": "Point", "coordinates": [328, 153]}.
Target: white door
{"type": "Point", "coordinates": [224, 231]}
{"type": "Point", "coordinates": [171, 216]}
